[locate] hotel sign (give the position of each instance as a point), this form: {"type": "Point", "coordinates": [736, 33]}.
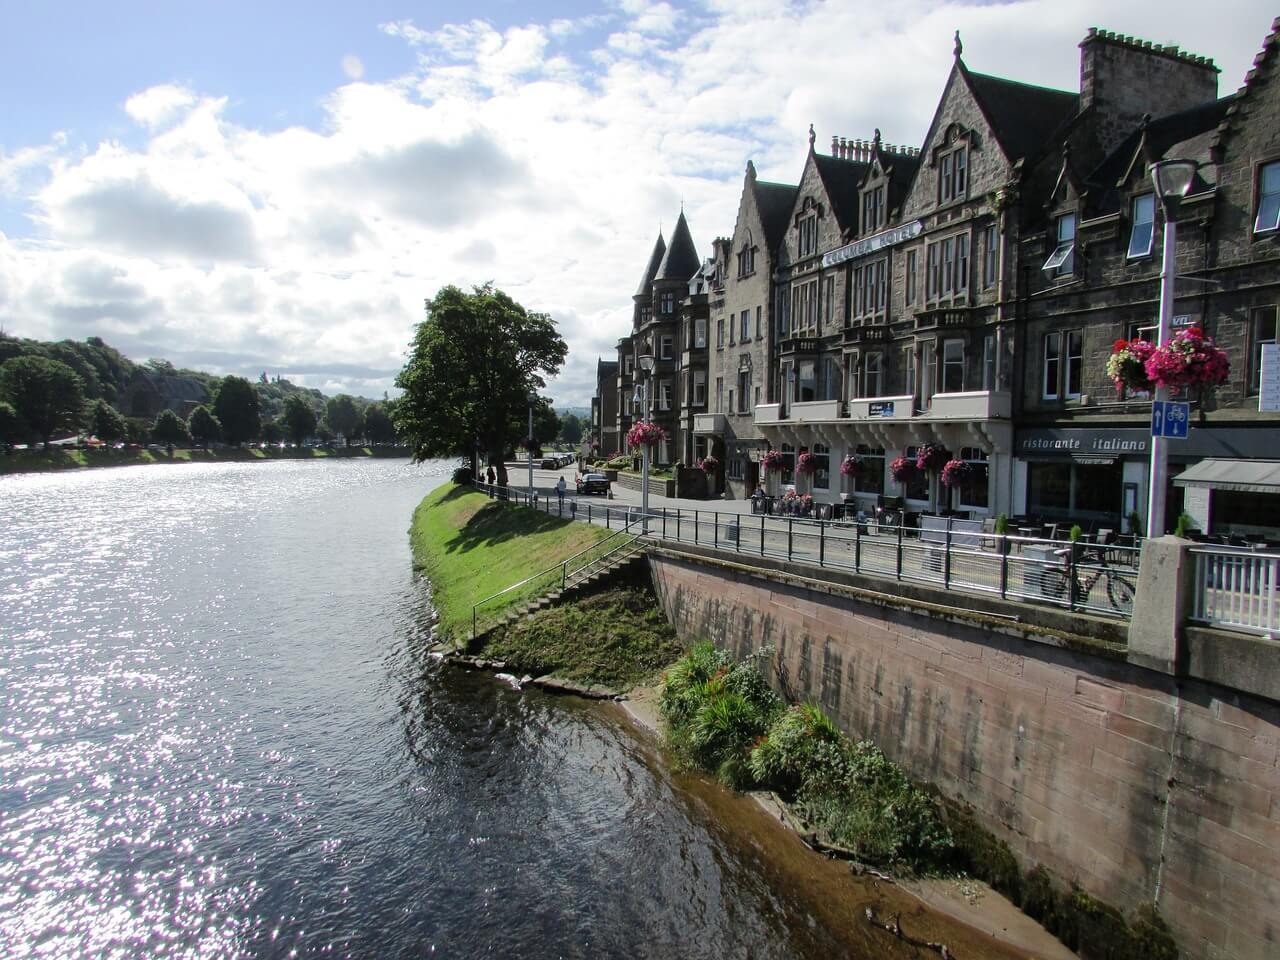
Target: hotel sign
{"type": "Point", "coordinates": [880, 408]}
{"type": "Point", "coordinates": [860, 248]}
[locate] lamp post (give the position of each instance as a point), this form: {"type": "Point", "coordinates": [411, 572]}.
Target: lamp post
{"type": "Point", "coordinates": [646, 362]}
{"type": "Point", "coordinates": [1172, 180]}
{"type": "Point", "coordinates": [533, 398]}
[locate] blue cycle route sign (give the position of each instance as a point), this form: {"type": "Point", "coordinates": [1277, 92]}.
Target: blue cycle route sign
{"type": "Point", "coordinates": [1170, 420]}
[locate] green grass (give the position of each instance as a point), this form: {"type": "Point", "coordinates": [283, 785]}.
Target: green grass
{"type": "Point", "coordinates": [62, 458]}
{"type": "Point", "coordinates": [471, 547]}
{"type": "Point", "coordinates": [617, 637]}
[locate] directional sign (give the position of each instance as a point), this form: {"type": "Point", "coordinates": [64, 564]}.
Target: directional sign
{"type": "Point", "coordinates": [1269, 379]}
{"type": "Point", "coordinates": [1170, 420]}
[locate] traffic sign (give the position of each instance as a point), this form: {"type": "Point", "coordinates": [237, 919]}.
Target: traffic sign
{"type": "Point", "coordinates": [1170, 420]}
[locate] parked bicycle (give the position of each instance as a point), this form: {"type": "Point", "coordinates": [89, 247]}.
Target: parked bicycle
{"type": "Point", "coordinates": [1120, 588]}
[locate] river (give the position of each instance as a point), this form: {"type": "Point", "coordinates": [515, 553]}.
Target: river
{"type": "Point", "coordinates": [219, 737]}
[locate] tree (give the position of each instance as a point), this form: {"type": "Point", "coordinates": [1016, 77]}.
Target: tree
{"type": "Point", "coordinates": [236, 407]}
{"type": "Point", "coordinates": [546, 424]}
{"type": "Point", "coordinates": [169, 429]}
{"type": "Point", "coordinates": [12, 429]}
{"type": "Point", "coordinates": [272, 432]}
{"type": "Point", "coordinates": [48, 395]}
{"type": "Point", "coordinates": [299, 419]}
{"type": "Point", "coordinates": [204, 426]}
{"type": "Point", "coordinates": [106, 423]}
{"type": "Point", "coordinates": [473, 362]}
{"type": "Point", "coordinates": [343, 416]}
{"type": "Point", "coordinates": [378, 427]}
{"type": "Point", "coordinates": [570, 428]}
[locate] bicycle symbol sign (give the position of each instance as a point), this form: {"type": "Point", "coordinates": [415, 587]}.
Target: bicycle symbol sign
{"type": "Point", "coordinates": [1170, 420]}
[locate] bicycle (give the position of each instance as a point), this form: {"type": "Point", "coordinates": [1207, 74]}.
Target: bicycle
{"type": "Point", "coordinates": [1119, 588]}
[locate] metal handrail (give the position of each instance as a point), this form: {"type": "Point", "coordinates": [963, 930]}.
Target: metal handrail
{"type": "Point", "coordinates": [562, 566]}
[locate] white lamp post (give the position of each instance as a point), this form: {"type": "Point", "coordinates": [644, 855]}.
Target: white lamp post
{"type": "Point", "coordinates": [1172, 179]}
{"type": "Point", "coordinates": [533, 398]}
{"type": "Point", "coordinates": [646, 362]}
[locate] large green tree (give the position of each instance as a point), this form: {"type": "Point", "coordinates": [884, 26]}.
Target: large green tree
{"type": "Point", "coordinates": [474, 360]}
{"type": "Point", "coordinates": [12, 429]}
{"type": "Point", "coordinates": [204, 426]}
{"type": "Point", "coordinates": [236, 408]}
{"type": "Point", "coordinates": [377, 426]}
{"type": "Point", "coordinates": [570, 428]}
{"type": "Point", "coordinates": [169, 428]}
{"type": "Point", "coordinates": [299, 419]}
{"type": "Point", "coordinates": [343, 416]}
{"type": "Point", "coordinates": [47, 394]}
{"type": "Point", "coordinates": [106, 422]}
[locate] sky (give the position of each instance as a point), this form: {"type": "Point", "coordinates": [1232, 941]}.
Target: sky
{"type": "Point", "coordinates": [245, 187]}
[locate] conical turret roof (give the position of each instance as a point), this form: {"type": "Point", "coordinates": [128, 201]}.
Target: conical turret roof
{"type": "Point", "coordinates": [681, 260]}
{"type": "Point", "coordinates": [655, 260]}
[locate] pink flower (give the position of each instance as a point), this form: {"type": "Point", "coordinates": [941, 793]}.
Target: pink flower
{"type": "Point", "coordinates": [645, 434]}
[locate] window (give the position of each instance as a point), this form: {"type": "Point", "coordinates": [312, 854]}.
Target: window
{"type": "Point", "coordinates": [1075, 363]}
{"type": "Point", "coordinates": [1262, 329]}
{"type": "Point", "coordinates": [947, 264]}
{"type": "Point", "coordinates": [933, 272]}
{"type": "Point", "coordinates": [720, 334]}
{"type": "Point", "coordinates": [667, 303]}
{"type": "Point", "coordinates": [788, 463]}
{"type": "Point", "coordinates": [872, 209]}
{"type": "Point", "coordinates": [1052, 364]}
{"type": "Point", "coordinates": [871, 480]}
{"type": "Point", "coordinates": [744, 390]}
{"type": "Point", "coordinates": [990, 256]}
{"type": "Point", "coordinates": [974, 488]}
{"type": "Point", "coordinates": [808, 228]}
{"type": "Point", "coordinates": [909, 370]}
{"type": "Point", "coordinates": [873, 375]}
{"type": "Point", "coordinates": [952, 366]}
{"type": "Point", "coordinates": [645, 314]}
{"type": "Point", "coordinates": [870, 289]}
{"type": "Point", "coordinates": [629, 364]}
{"type": "Point", "coordinates": [732, 330]}
{"type": "Point", "coordinates": [953, 176]}
{"type": "Point", "coordinates": [917, 487]}
{"type": "Point", "coordinates": [700, 332]}
{"type": "Point", "coordinates": [759, 322]}
{"type": "Point", "coordinates": [746, 261]}
{"type": "Point", "coordinates": [666, 345]}
{"type": "Point", "coordinates": [719, 394]}
{"type": "Point", "coordinates": [989, 362]}
{"type": "Point", "coordinates": [744, 334]}
{"type": "Point", "coordinates": [828, 300]}
{"type": "Point", "coordinates": [1063, 490]}
{"type": "Point", "coordinates": [804, 306]}
{"type": "Point", "coordinates": [822, 467]}
{"type": "Point", "coordinates": [928, 371]}
{"type": "Point", "coordinates": [1061, 262]}
{"type": "Point", "coordinates": [1144, 225]}
{"type": "Point", "coordinates": [807, 382]}
{"type": "Point", "coordinates": [1268, 198]}
{"type": "Point", "coordinates": [734, 468]}
{"type": "Point", "coordinates": [699, 388]}
{"type": "Point", "coordinates": [830, 379]}
{"type": "Point", "coordinates": [911, 277]}
{"type": "Point", "coordinates": [664, 394]}
{"type": "Point", "coordinates": [784, 315]}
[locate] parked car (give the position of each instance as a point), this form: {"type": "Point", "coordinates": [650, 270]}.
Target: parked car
{"type": "Point", "coordinates": [592, 483]}
{"type": "Point", "coordinates": [550, 463]}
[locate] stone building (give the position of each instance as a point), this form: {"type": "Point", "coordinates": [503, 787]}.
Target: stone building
{"type": "Point", "coordinates": [604, 440]}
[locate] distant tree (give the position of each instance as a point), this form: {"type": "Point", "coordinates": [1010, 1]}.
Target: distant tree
{"type": "Point", "coordinates": [570, 428]}
{"type": "Point", "coordinates": [169, 429]}
{"type": "Point", "coordinates": [378, 427]}
{"type": "Point", "coordinates": [204, 426]}
{"type": "Point", "coordinates": [546, 424]}
{"type": "Point", "coordinates": [137, 429]}
{"type": "Point", "coordinates": [48, 395]}
{"type": "Point", "coordinates": [323, 433]}
{"type": "Point", "coordinates": [106, 422]}
{"type": "Point", "coordinates": [236, 407]}
{"type": "Point", "coordinates": [299, 419]}
{"type": "Point", "coordinates": [343, 416]}
{"type": "Point", "coordinates": [473, 362]}
{"type": "Point", "coordinates": [162, 367]}
{"type": "Point", "coordinates": [12, 429]}
{"type": "Point", "coordinates": [272, 432]}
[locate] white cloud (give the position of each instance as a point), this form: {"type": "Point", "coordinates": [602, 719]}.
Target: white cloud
{"type": "Point", "coordinates": [540, 156]}
{"type": "Point", "coordinates": [352, 66]}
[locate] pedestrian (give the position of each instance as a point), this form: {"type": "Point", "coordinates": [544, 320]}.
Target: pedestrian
{"type": "Point", "coordinates": [560, 488]}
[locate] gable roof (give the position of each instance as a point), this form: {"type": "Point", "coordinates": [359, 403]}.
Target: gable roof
{"type": "Point", "coordinates": [774, 202]}
{"type": "Point", "coordinates": [1270, 46]}
{"type": "Point", "coordinates": [681, 261]}
{"type": "Point", "coordinates": [840, 178]}
{"type": "Point", "coordinates": [1022, 117]}
{"type": "Point", "coordinates": [650, 271]}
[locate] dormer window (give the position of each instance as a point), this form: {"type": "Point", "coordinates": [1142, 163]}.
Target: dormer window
{"type": "Point", "coordinates": [953, 175]}
{"type": "Point", "coordinates": [1144, 225]}
{"type": "Point", "coordinates": [808, 229]}
{"type": "Point", "coordinates": [1268, 218]}
{"type": "Point", "coordinates": [873, 209]}
{"type": "Point", "coordinates": [1061, 262]}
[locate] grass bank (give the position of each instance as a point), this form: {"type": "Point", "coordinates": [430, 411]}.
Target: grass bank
{"type": "Point", "coordinates": [40, 461]}
{"type": "Point", "coordinates": [471, 547]}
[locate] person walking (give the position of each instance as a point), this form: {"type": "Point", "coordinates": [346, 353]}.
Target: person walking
{"type": "Point", "coordinates": [560, 488]}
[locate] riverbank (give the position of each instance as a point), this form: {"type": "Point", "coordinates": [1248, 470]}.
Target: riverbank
{"type": "Point", "coordinates": [62, 458]}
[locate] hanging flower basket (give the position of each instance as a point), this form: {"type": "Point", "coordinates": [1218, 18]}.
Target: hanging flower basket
{"type": "Point", "coordinates": [806, 463]}
{"type": "Point", "coordinates": [1127, 365]}
{"type": "Point", "coordinates": [645, 434]}
{"type": "Point", "coordinates": [931, 456]}
{"type": "Point", "coordinates": [852, 466]}
{"type": "Point", "coordinates": [772, 461]}
{"type": "Point", "coordinates": [954, 473]}
{"type": "Point", "coordinates": [1189, 359]}
{"type": "Point", "coordinates": [903, 469]}
{"type": "Point", "coordinates": [708, 464]}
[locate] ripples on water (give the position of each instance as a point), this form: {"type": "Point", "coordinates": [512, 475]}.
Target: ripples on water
{"type": "Point", "coordinates": [218, 738]}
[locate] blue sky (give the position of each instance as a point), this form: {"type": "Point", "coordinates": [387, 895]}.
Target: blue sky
{"type": "Point", "coordinates": [247, 186]}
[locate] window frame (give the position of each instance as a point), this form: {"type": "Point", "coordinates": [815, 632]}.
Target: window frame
{"type": "Point", "coordinates": [990, 255]}
{"type": "Point", "coordinates": [667, 303]}
{"type": "Point", "coordinates": [1051, 382]}
{"type": "Point", "coordinates": [1256, 342]}
{"type": "Point", "coordinates": [1062, 261]}
{"type": "Point", "coordinates": [807, 235]}
{"type": "Point", "coordinates": [1135, 224]}
{"type": "Point", "coordinates": [873, 372]}
{"type": "Point", "coordinates": [666, 347]}
{"type": "Point", "coordinates": [950, 363]}
{"type": "Point", "coordinates": [953, 175]}
{"type": "Point", "coordinates": [699, 388]}
{"type": "Point", "coordinates": [1261, 198]}
{"type": "Point", "coordinates": [910, 277]}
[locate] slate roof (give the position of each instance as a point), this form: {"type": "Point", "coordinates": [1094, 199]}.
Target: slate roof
{"type": "Point", "coordinates": [841, 179]}
{"type": "Point", "coordinates": [655, 260]}
{"type": "Point", "coordinates": [774, 202]}
{"type": "Point", "coordinates": [1022, 117]}
{"type": "Point", "coordinates": [681, 260]}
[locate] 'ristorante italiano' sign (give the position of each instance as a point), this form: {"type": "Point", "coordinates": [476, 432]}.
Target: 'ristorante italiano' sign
{"type": "Point", "coordinates": [860, 248]}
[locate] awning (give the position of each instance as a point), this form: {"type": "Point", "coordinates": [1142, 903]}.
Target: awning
{"type": "Point", "coordinates": [1249, 476]}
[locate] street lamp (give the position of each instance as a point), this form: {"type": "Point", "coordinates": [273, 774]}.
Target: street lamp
{"type": "Point", "coordinates": [1172, 179]}
{"type": "Point", "coordinates": [646, 362]}
{"type": "Point", "coordinates": [533, 398]}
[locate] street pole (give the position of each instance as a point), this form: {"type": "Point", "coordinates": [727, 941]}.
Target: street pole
{"type": "Point", "coordinates": [644, 459]}
{"type": "Point", "coordinates": [530, 450]}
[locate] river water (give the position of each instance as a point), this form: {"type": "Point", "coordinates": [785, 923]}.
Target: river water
{"type": "Point", "coordinates": [219, 737]}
